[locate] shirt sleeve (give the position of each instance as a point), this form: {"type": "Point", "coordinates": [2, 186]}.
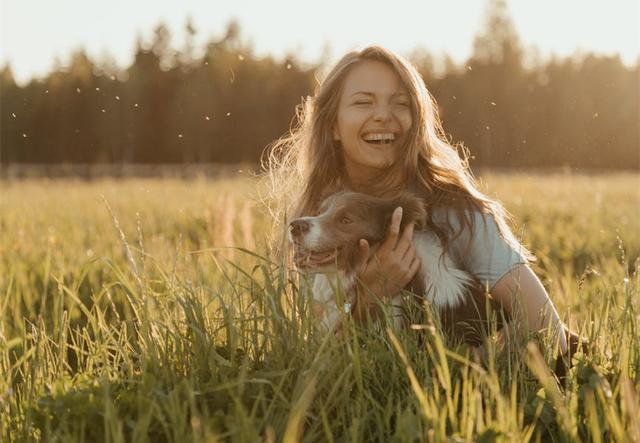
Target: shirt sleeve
{"type": "Point", "coordinates": [484, 252]}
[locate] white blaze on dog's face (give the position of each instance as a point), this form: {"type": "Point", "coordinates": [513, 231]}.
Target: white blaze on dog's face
{"type": "Point", "coordinates": [329, 241]}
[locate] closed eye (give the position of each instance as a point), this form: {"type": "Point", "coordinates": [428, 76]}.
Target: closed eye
{"type": "Point", "coordinates": [346, 220]}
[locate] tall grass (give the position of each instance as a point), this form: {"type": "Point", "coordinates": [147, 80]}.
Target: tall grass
{"type": "Point", "coordinates": [149, 310]}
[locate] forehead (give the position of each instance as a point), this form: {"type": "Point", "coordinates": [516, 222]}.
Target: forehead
{"type": "Point", "coordinates": [372, 76]}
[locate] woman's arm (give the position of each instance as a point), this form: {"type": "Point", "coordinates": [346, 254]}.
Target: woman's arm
{"type": "Point", "coordinates": [521, 284]}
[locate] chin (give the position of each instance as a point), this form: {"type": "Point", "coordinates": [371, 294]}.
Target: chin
{"type": "Point", "coordinates": [381, 163]}
{"type": "Point", "coordinates": [373, 170]}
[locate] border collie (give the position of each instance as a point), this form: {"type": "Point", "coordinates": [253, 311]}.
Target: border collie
{"type": "Point", "coordinates": [327, 244]}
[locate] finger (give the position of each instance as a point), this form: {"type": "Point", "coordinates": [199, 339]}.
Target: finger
{"type": "Point", "coordinates": [363, 255]}
{"type": "Point", "coordinates": [406, 241]}
{"type": "Point", "coordinates": [413, 268]}
{"type": "Point", "coordinates": [394, 230]}
{"type": "Point", "coordinates": [409, 254]}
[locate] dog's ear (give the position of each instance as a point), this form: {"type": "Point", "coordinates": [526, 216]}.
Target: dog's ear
{"type": "Point", "coordinates": [413, 211]}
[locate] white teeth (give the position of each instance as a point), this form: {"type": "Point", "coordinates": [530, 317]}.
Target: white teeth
{"type": "Point", "coordinates": [379, 136]}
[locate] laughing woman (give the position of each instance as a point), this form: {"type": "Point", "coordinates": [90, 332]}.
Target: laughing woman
{"type": "Point", "coordinates": [373, 127]}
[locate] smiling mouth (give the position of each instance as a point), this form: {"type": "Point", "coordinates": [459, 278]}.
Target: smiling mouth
{"type": "Point", "coordinates": [313, 259]}
{"type": "Point", "coordinates": [379, 142]}
{"type": "Point", "coordinates": [379, 139]}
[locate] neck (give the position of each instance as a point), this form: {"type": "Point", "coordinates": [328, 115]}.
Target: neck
{"type": "Point", "coordinates": [381, 183]}
{"type": "Point", "coordinates": [362, 177]}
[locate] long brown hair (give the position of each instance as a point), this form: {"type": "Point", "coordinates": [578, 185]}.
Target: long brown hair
{"type": "Point", "coordinates": [306, 165]}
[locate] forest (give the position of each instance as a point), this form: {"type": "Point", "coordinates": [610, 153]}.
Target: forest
{"type": "Point", "coordinates": [222, 104]}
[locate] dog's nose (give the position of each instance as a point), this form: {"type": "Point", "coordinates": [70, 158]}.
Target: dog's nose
{"type": "Point", "coordinates": [298, 227]}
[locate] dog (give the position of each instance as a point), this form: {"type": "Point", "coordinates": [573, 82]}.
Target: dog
{"type": "Point", "coordinates": [327, 245]}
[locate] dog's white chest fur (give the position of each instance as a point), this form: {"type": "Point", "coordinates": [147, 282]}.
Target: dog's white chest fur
{"type": "Point", "coordinates": [446, 285]}
{"type": "Point", "coordinates": [326, 289]}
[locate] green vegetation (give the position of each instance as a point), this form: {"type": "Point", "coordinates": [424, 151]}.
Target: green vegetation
{"type": "Point", "coordinates": [125, 316]}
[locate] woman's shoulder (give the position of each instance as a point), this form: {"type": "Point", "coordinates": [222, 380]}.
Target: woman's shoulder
{"type": "Point", "coordinates": [452, 219]}
{"type": "Point", "coordinates": [474, 230]}
{"type": "Point", "coordinates": [480, 245]}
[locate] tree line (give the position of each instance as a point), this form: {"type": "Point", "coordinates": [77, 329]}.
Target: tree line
{"type": "Point", "coordinates": [226, 105]}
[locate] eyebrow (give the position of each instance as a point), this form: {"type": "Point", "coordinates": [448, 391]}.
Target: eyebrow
{"type": "Point", "coordinates": [371, 94]}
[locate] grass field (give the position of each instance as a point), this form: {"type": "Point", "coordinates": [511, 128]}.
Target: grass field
{"type": "Point", "coordinates": [126, 315]}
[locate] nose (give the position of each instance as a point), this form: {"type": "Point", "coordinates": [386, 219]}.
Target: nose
{"type": "Point", "coordinates": [382, 113]}
{"type": "Point", "coordinates": [298, 227]}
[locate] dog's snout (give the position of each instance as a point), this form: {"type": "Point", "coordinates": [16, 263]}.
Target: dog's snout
{"type": "Point", "coordinates": [298, 227]}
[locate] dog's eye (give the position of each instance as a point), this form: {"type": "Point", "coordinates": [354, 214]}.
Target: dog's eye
{"type": "Point", "coordinates": [346, 220]}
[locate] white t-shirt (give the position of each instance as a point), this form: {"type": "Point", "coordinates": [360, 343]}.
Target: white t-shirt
{"type": "Point", "coordinates": [486, 255]}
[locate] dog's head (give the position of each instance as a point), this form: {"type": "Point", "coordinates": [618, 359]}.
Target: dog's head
{"type": "Point", "coordinates": [329, 240]}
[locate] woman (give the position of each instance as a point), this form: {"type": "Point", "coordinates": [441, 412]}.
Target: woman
{"type": "Point", "coordinates": [373, 127]}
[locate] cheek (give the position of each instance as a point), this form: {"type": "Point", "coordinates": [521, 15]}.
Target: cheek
{"type": "Point", "coordinates": [350, 253]}
{"type": "Point", "coordinates": [350, 122]}
{"type": "Point", "coordinates": [405, 119]}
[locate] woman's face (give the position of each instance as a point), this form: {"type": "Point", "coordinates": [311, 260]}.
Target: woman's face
{"type": "Point", "coordinates": [374, 117]}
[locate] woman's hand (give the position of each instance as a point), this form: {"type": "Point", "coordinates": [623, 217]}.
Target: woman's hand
{"type": "Point", "coordinates": [391, 268]}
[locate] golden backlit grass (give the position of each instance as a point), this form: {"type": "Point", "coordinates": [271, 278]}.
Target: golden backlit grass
{"type": "Point", "coordinates": [126, 316]}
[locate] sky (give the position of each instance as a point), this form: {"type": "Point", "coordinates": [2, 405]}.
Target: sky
{"type": "Point", "coordinates": [36, 32]}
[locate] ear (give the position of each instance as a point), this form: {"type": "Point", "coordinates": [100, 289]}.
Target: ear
{"type": "Point", "coordinates": [413, 211]}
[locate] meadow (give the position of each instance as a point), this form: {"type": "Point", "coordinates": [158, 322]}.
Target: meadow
{"type": "Point", "coordinates": [151, 311]}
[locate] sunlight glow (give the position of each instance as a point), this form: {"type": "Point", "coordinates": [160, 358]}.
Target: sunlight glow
{"type": "Point", "coordinates": [35, 33]}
